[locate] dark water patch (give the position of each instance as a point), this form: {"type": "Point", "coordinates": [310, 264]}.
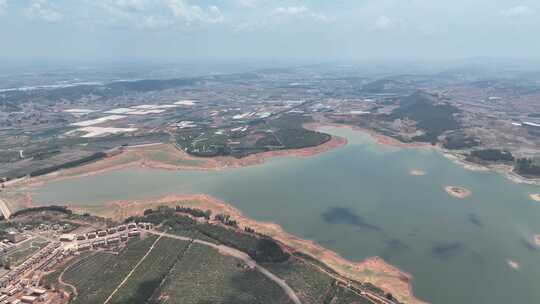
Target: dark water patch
{"type": "Point", "coordinates": [476, 258]}
{"type": "Point", "coordinates": [414, 232]}
{"type": "Point", "coordinates": [528, 245]}
{"type": "Point", "coordinates": [328, 242]}
{"type": "Point", "coordinates": [475, 220]}
{"type": "Point", "coordinates": [396, 245]}
{"type": "Point", "coordinates": [340, 215]}
{"type": "Point", "coordinates": [446, 250]}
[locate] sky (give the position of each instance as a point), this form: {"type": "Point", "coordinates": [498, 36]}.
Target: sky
{"type": "Point", "coordinates": [271, 30]}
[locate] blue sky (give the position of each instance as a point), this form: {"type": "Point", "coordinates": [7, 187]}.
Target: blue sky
{"type": "Point", "coordinates": [280, 30]}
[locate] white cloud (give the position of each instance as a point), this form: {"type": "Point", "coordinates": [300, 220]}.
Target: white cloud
{"type": "Point", "coordinates": [248, 3]}
{"type": "Point", "coordinates": [3, 6]}
{"type": "Point", "coordinates": [518, 11]}
{"type": "Point", "coordinates": [215, 15]}
{"type": "Point", "coordinates": [129, 5]}
{"type": "Point", "coordinates": [383, 23]}
{"type": "Point", "coordinates": [41, 9]}
{"type": "Point", "coordinates": [194, 13]}
{"type": "Point", "coordinates": [121, 10]}
{"type": "Point", "coordinates": [154, 22]}
{"type": "Point", "coordinates": [291, 10]}
{"type": "Point", "coordinates": [299, 12]}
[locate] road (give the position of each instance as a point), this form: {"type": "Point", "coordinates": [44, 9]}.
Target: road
{"type": "Point", "coordinates": [5, 209]}
{"type": "Point", "coordinates": [73, 287]}
{"type": "Point", "coordinates": [132, 270]}
{"type": "Point", "coordinates": [242, 256]}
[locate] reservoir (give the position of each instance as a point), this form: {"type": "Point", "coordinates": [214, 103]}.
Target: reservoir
{"type": "Point", "coordinates": [362, 201]}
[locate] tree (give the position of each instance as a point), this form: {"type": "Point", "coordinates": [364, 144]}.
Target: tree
{"type": "Point", "coordinates": [269, 251]}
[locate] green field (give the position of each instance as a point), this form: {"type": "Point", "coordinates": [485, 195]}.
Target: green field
{"type": "Point", "coordinates": [177, 271]}
{"type": "Point", "coordinates": [171, 273]}
{"type": "Point", "coordinates": [98, 275]}
{"type": "Point", "coordinates": [206, 276]}
{"type": "Point", "coordinates": [312, 286]}
{"type": "Point", "coordinates": [344, 296]}
{"type": "Point", "coordinates": [169, 158]}
{"type": "Point", "coordinates": [150, 273]}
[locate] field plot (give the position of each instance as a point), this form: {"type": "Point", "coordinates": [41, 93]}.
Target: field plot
{"type": "Point", "coordinates": [205, 276]}
{"type": "Point", "coordinates": [344, 296]}
{"type": "Point", "coordinates": [98, 275]}
{"type": "Point", "coordinates": [169, 155]}
{"type": "Point", "coordinates": [311, 285]}
{"type": "Point", "coordinates": [150, 273]}
{"type": "Point", "coordinates": [25, 250]}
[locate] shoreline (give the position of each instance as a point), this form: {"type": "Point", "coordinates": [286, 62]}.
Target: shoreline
{"type": "Point", "coordinates": [373, 269]}
{"type": "Point", "coordinates": [506, 170]}
{"type": "Point", "coordinates": [363, 269]}
{"type": "Point", "coordinates": [208, 164]}
{"type": "Point", "coordinates": [227, 162]}
{"type": "Point", "coordinates": [457, 158]}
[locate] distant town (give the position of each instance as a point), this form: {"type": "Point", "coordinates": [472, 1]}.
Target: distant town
{"type": "Point", "coordinates": [47, 128]}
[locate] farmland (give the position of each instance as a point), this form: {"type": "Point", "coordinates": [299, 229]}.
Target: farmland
{"type": "Point", "coordinates": [165, 269]}
{"type": "Point", "coordinates": [149, 275]}
{"type": "Point", "coordinates": [96, 276]}
{"type": "Point", "coordinates": [312, 284]}
{"type": "Point", "coordinates": [205, 276]}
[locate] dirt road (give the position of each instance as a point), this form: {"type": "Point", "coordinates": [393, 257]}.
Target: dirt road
{"type": "Point", "coordinates": [132, 270]}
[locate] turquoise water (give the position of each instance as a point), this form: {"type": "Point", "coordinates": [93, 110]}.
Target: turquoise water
{"type": "Point", "coordinates": [361, 201]}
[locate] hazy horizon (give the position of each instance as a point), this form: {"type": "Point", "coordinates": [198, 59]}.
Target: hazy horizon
{"type": "Point", "coordinates": [270, 31]}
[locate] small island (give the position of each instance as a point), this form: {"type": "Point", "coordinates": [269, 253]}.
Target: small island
{"type": "Point", "coordinates": [458, 192]}
{"type": "Point", "coordinates": [535, 197]}
{"type": "Point", "coordinates": [513, 264]}
{"type": "Point", "coordinates": [537, 239]}
{"type": "Point", "coordinates": [417, 173]}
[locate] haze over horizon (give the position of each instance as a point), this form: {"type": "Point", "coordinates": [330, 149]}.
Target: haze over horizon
{"type": "Point", "coordinates": [285, 30]}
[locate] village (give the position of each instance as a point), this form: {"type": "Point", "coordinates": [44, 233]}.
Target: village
{"type": "Point", "coordinates": [24, 283]}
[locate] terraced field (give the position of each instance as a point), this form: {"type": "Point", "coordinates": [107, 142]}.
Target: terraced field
{"type": "Point", "coordinates": [206, 276]}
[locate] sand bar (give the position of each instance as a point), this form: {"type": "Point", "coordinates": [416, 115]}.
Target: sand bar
{"type": "Point", "coordinates": [458, 192]}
